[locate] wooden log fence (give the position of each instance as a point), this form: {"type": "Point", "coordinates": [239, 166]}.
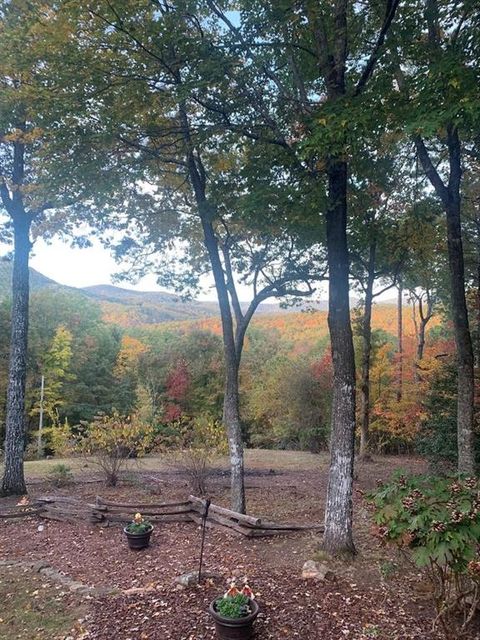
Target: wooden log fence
{"type": "Point", "coordinates": [19, 511]}
{"type": "Point", "coordinates": [67, 509]}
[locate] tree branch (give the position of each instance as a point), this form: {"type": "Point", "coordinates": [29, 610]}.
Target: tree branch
{"type": "Point", "coordinates": [369, 68]}
{"type": "Point", "coordinates": [430, 170]}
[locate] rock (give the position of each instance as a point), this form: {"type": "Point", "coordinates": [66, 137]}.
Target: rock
{"type": "Point", "coordinates": [190, 579]}
{"type": "Point", "coordinates": [41, 565]}
{"type": "Point", "coordinates": [105, 591]}
{"type": "Point", "coordinates": [138, 591]}
{"type": "Point", "coordinates": [78, 587]}
{"type": "Point", "coordinates": [316, 571]}
{"type": "Point", "coordinates": [187, 579]}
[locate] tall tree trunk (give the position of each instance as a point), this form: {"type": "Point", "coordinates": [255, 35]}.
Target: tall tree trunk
{"type": "Point", "coordinates": [231, 418]}
{"type": "Point", "coordinates": [366, 357]}
{"type": "Point", "coordinates": [421, 339]}
{"type": "Point", "coordinates": [338, 536]}
{"type": "Point", "coordinates": [400, 342]}
{"type": "Point", "coordinates": [477, 318]}
{"type": "Point", "coordinates": [465, 398]}
{"type": "Point", "coordinates": [231, 405]}
{"type": "Point", "coordinates": [449, 194]}
{"type": "Point", "coordinates": [13, 482]}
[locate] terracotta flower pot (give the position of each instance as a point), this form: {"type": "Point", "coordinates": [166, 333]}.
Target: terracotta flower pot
{"type": "Point", "coordinates": [138, 540]}
{"type": "Point", "coordinates": [234, 628]}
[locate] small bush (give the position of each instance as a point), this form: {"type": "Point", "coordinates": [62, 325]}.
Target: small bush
{"type": "Point", "coordinates": [60, 475]}
{"type": "Point", "coordinates": [111, 440]}
{"type": "Point", "coordinates": [191, 446]}
{"type": "Point", "coordinates": [61, 439]}
{"type": "Point", "coordinates": [31, 452]}
{"type": "Point", "coordinates": [437, 437]}
{"type": "Point", "coordinates": [438, 521]}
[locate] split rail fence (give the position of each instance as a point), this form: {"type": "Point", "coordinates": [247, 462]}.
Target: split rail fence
{"type": "Point", "coordinates": [67, 509]}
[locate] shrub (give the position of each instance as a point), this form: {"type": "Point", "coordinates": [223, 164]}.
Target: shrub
{"type": "Point", "coordinates": [60, 475]}
{"type": "Point", "coordinates": [438, 521]}
{"type": "Point", "coordinates": [111, 440]}
{"type": "Point", "coordinates": [437, 437]}
{"type": "Point", "coordinates": [191, 446]}
{"type": "Point", "coordinates": [61, 439]}
{"type": "Point", "coordinates": [31, 452]}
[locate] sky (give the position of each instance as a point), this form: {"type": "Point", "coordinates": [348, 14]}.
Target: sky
{"type": "Point", "coordinates": [94, 265]}
{"type": "Point", "coordinates": [80, 267]}
{"type": "Point", "coordinates": [76, 267]}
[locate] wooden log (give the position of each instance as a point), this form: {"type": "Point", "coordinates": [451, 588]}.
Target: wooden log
{"type": "Point", "coordinates": [290, 527]}
{"type": "Point", "coordinates": [20, 514]}
{"type": "Point", "coordinates": [231, 527]}
{"type": "Point", "coordinates": [138, 507]}
{"type": "Point", "coordinates": [81, 506]}
{"type": "Point", "coordinates": [57, 499]}
{"type": "Point", "coordinates": [199, 505]}
{"type": "Point", "coordinates": [117, 517]}
{"type": "Point", "coordinates": [52, 515]}
{"type": "Point", "coordinates": [145, 512]}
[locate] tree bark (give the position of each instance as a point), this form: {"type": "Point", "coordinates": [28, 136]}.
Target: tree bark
{"type": "Point", "coordinates": [231, 404]}
{"type": "Point", "coordinates": [477, 319]}
{"type": "Point", "coordinates": [425, 318]}
{"type": "Point", "coordinates": [364, 452]}
{"type": "Point", "coordinates": [338, 538]}
{"type": "Point", "coordinates": [449, 195]}
{"type": "Point", "coordinates": [400, 342]}
{"type": "Point", "coordinates": [13, 482]}
{"type": "Point", "coordinates": [465, 398]}
{"type": "Point", "coordinates": [421, 339]}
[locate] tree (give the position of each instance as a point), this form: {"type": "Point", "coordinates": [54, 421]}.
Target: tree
{"type": "Point", "coordinates": [311, 108]}
{"type": "Point", "coordinates": [54, 372]}
{"type": "Point", "coordinates": [182, 159]}
{"type": "Point", "coordinates": [32, 199]}
{"type": "Point", "coordinates": [378, 248]}
{"type": "Point", "coordinates": [438, 76]}
{"type": "Point", "coordinates": [19, 200]}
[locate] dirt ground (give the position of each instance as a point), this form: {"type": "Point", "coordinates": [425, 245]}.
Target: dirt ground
{"type": "Point", "coordinates": [378, 595]}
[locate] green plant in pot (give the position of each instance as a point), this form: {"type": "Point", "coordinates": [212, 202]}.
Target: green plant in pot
{"type": "Point", "coordinates": [234, 613]}
{"type": "Point", "coordinates": [138, 532]}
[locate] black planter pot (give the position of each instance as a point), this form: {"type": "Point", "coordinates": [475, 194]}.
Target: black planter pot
{"type": "Point", "coordinates": [138, 540]}
{"type": "Point", "coordinates": [234, 628]}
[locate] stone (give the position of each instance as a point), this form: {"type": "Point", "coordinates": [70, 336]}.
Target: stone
{"type": "Point", "coordinates": [78, 587]}
{"type": "Point", "coordinates": [138, 591]}
{"type": "Point", "coordinates": [316, 571]}
{"type": "Point", "coordinates": [187, 579]}
{"type": "Point", "coordinates": [190, 579]}
{"type": "Point", "coordinates": [41, 565]}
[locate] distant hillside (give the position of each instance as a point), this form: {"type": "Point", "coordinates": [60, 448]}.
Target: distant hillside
{"type": "Point", "coordinates": [132, 308]}
{"type": "Point", "coordinates": [119, 306]}
{"type": "Point", "coordinates": [128, 308]}
{"type": "Point", "coordinates": [37, 280]}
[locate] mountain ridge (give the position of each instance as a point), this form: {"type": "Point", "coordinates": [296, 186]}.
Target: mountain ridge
{"type": "Point", "coordinates": [130, 307]}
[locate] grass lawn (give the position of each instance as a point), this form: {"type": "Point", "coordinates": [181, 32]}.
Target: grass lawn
{"type": "Point", "coordinates": [33, 609]}
{"type": "Point", "coordinates": [254, 459]}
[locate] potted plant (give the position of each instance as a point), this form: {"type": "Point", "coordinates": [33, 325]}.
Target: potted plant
{"type": "Point", "coordinates": [138, 532]}
{"type": "Point", "coordinates": [234, 613]}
